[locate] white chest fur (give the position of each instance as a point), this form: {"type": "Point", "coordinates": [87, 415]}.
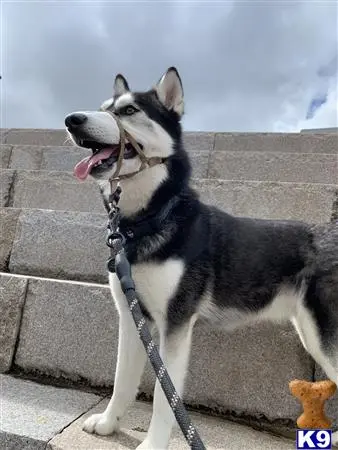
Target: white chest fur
{"type": "Point", "coordinates": [156, 283]}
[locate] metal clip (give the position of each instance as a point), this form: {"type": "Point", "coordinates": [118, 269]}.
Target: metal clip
{"type": "Point", "coordinates": [115, 239]}
{"type": "Point", "coordinates": [111, 265]}
{"type": "Point", "coordinates": [114, 197]}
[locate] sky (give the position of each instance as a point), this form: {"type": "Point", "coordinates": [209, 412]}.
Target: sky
{"type": "Point", "coordinates": [245, 66]}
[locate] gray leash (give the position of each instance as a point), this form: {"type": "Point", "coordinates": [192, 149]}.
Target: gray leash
{"type": "Point", "coordinates": [119, 264]}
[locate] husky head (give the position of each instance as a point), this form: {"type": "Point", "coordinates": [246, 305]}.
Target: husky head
{"type": "Point", "coordinates": [152, 118]}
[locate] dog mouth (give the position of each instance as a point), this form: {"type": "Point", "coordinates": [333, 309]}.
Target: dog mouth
{"type": "Point", "coordinates": [102, 159]}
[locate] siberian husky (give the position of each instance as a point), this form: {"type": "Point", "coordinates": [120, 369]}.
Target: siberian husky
{"type": "Point", "coordinates": [196, 261]}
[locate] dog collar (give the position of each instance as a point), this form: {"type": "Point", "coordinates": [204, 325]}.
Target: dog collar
{"type": "Point", "coordinates": [147, 224]}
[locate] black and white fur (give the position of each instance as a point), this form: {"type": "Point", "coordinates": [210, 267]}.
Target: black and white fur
{"type": "Point", "coordinates": [203, 263]}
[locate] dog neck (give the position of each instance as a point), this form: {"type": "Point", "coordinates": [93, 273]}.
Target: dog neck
{"type": "Point", "coordinates": [138, 190]}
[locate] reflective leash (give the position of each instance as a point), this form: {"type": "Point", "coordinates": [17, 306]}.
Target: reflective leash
{"type": "Point", "coordinates": [119, 264]}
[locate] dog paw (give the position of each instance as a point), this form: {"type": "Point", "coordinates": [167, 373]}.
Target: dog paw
{"type": "Point", "coordinates": [335, 438]}
{"type": "Point", "coordinates": [100, 424]}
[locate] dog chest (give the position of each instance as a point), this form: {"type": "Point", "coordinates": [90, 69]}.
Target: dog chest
{"type": "Point", "coordinates": [156, 283]}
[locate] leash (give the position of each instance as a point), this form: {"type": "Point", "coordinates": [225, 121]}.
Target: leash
{"type": "Point", "coordinates": [118, 263]}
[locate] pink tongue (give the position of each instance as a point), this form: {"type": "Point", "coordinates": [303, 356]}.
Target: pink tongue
{"type": "Point", "coordinates": [82, 169]}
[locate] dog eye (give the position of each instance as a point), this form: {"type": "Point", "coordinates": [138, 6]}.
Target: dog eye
{"type": "Point", "coordinates": [129, 110]}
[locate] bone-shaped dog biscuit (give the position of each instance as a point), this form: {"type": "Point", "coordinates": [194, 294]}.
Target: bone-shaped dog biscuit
{"type": "Point", "coordinates": [313, 395]}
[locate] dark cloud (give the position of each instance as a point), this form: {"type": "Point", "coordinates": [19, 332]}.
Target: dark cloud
{"type": "Point", "coordinates": [245, 66]}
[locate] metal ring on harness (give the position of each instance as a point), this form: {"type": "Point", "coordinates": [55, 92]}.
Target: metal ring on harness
{"type": "Point", "coordinates": [115, 236]}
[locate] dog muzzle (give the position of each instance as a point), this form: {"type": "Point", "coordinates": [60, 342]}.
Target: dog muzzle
{"type": "Point", "coordinates": [83, 168]}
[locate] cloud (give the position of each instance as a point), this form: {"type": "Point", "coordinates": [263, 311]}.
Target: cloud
{"type": "Point", "coordinates": [253, 66]}
{"type": "Point", "coordinates": [327, 114]}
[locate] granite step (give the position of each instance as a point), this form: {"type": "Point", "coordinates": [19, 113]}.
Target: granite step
{"type": "Point", "coordinates": [315, 141]}
{"type": "Point", "coordinates": [71, 244]}
{"type": "Point", "coordinates": [39, 157]}
{"type": "Point", "coordinates": [69, 331]}
{"type": "Point", "coordinates": [231, 164]}
{"type": "Point", "coordinates": [59, 190]}
{"type": "Point", "coordinates": [39, 417]}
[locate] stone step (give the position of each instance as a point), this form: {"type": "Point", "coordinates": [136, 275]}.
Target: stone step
{"type": "Point", "coordinates": [278, 142]}
{"type": "Point", "coordinates": [59, 244]}
{"type": "Point", "coordinates": [230, 164]}
{"type": "Point", "coordinates": [313, 142]}
{"type": "Point", "coordinates": [32, 414]}
{"type": "Point", "coordinates": [71, 244]}
{"type": "Point", "coordinates": [201, 141]}
{"type": "Point", "coordinates": [70, 330]}
{"type": "Point", "coordinates": [50, 158]}
{"type": "Point", "coordinates": [52, 419]}
{"type": "Point", "coordinates": [311, 202]}
{"type": "Point", "coordinates": [274, 166]}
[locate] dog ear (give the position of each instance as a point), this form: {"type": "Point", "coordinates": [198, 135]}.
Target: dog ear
{"type": "Point", "coordinates": [120, 85]}
{"type": "Point", "coordinates": [170, 91]}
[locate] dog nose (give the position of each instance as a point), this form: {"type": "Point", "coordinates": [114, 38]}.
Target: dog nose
{"type": "Point", "coordinates": [74, 120]}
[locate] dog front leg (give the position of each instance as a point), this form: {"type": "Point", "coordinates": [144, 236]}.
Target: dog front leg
{"type": "Point", "coordinates": [131, 359]}
{"type": "Point", "coordinates": [174, 350]}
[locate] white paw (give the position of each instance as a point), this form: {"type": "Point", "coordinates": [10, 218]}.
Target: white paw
{"type": "Point", "coordinates": [335, 438]}
{"type": "Point", "coordinates": [100, 424]}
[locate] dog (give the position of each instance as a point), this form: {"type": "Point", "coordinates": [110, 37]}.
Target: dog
{"type": "Point", "coordinates": [192, 261]}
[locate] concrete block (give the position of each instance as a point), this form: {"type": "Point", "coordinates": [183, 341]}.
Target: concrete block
{"type": "Point", "coordinates": [272, 166]}
{"type": "Point", "coordinates": [26, 157]}
{"type": "Point", "coordinates": [69, 330]}
{"type": "Point", "coordinates": [8, 223]}
{"type": "Point", "coordinates": [19, 136]}
{"type": "Point", "coordinates": [192, 140]}
{"type": "Point", "coordinates": [3, 135]}
{"type": "Point", "coordinates": [48, 157]}
{"type": "Point", "coordinates": [320, 130]}
{"type": "Point", "coordinates": [56, 191]}
{"type": "Point", "coordinates": [5, 154]}
{"type": "Point", "coordinates": [332, 404]}
{"type": "Point", "coordinates": [311, 203]}
{"type": "Point", "coordinates": [12, 297]}
{"type": "Point", "coordinates": [217, 192]}
{"type": "Point", "coordinates": [246, 372]}
{"type": "Point", "coordinates": [216, 434]}
{"type": "Point", "coordinates": [32, 414]}
{"type": "Point", "coordinates": [198, 141]}
{"type": "Point", "coordinates": [199, 164]}
{"type": "Point", "coordinates": [270, 200]}
{"type": "Point", "coordinates": [59, 244]}
{"type": "Point", "coordinates": [62, 158]}
{"type": "Point", "coordinates": [56, 158]}
{"type": "Point", "coordinates": [10, 441]}
{"type": "Point", "coordinates": [6, 181]}
{"type": "Point", "coordinates": [277, 142]}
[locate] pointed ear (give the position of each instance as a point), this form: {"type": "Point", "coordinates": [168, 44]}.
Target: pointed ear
{"type": "Point", "coordinates": [120, 85]}
{"type": "Point", "coordinates": [170, 91]}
